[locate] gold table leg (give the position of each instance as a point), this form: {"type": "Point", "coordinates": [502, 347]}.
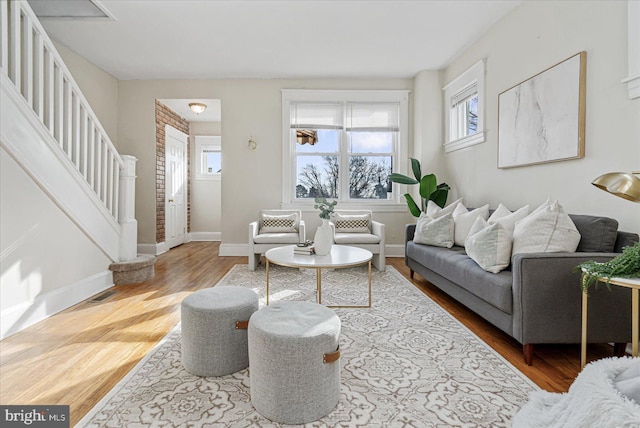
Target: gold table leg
{"type": "Point", "coordinates": [634, 321]}
{"type": "Point", "coordinates": [583, 350]}
{"type": "Point", "coordinates": [267, 291]}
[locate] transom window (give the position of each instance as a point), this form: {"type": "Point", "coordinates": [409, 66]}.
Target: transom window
{"type": "Point", "coordinates": [343, 148]}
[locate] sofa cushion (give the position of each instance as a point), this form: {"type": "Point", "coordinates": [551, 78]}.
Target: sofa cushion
{"type": "Point", "coordinates": [277, 238]}
{"type": "Point", "coordinates": [434, 231]}
{"type": "Point", "coordinates": [507, 218]}
{"type": "Point", "coordinates": [463, 219]}
{"type": "Point", "coordinates": [547, 229]}
{"type": "Point", "coordinates": [489, 245]}
{"type": "Point", "coordinates": [356, 238]}
{"type": "Point", "coordinates": [455, 265]}
{"type": "Point", "coordinates": [597, 234]}
{"type": "Point", "coordinates": [434, 211]}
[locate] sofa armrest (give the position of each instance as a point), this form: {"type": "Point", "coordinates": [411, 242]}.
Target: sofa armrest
{"type": "Point", "coordinates": [253, 232]}
{"type": "Point", "coordinates": [377, 229]}
{"type": "Point", "coordinates": [409, 231]}
{"type": "Point", "coordinates": [547, 301]}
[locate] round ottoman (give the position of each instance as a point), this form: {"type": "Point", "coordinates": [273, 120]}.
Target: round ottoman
{"type": "Point", "coordinates": [214, 335]}
{"type": "Point", "coordinates": [293, 351]}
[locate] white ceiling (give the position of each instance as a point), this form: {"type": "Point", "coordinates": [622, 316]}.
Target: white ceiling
{"type": "Point", "coordinates": [201, 39]}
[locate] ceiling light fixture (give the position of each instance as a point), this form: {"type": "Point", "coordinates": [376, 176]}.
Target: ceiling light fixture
{"type": "Point", "coordinates": [197, 108]}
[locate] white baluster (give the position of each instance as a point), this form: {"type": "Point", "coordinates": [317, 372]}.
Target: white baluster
{"type": "Point", "coordinates": [14, 45]}
{"type": "Point", "coordinates": [59, 105]}
{"type": "Point", "coordinates": [76, 131]}
{"type": "Point", "coordinates": [27, 59]}
{"type": "Point", "coordinates": [98, 164]}
{"type": "Point", "coordinates": [38, 78]}
{"type": "Point", "coordinates": [85, 144]}
{"type": "Point", "coordinates": [49, 92]}
{"type": "Point", "coordinates": [67, 123]}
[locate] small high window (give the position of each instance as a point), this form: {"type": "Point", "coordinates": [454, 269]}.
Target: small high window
{"type": "Point", "coordinates": [208, 159]}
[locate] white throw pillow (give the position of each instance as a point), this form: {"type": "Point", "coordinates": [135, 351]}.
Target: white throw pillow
{"type": "Point", "coordinates": [489, 245]}
{"type": "Point", "coordinates": [548, 229]}
{"type": "Point", "coordinates": [463, 219]}
{"type": "Point", "coordinates": [434, 231]}
{"type": "Point", "coordinates": [279, 223]}
{"type": "Point", "coordinates": [352, 223]}
{"type": "Point", "coordinates": [510, 219]}
{"type": "Point", "coordinates": [433, 210]}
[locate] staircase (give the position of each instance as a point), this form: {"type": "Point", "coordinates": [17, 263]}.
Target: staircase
{"type": "Point", "coordinates": [49, 129]}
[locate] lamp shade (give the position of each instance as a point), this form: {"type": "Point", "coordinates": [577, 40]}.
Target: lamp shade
{"type": "Point", "coordinates": [622, 184]}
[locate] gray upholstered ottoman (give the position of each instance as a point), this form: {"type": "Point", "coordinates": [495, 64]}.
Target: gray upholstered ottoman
{"type": "Point", "coordinates": [293, 351]}
{"type": "Point", "coordinates": [214, 335]}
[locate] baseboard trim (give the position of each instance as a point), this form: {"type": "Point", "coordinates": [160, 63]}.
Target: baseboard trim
{"type": "Point", "coordinates": [234, 250]}
{"type": "Point", "coordinates": [394, 250]}
{"type": "Point", "coordinates": [153, 249]}
{"type": "Point", "coordinates": [206, 236]}
{"type": "Point", "coordinates": [23, 315]}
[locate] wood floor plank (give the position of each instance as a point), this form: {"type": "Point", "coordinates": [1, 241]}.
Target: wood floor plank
{"type": "Point", "coordinates": [77, 356]}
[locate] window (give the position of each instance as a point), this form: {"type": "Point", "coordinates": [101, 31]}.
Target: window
{"type": "Point", "coordinates": [343, 145]}
{"type": "Point", "coordinates": [208, 157]}
{"type": "Point", "coordinates": [464, 109]}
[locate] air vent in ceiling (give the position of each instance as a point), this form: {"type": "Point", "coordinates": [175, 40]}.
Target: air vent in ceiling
{"type": "Point", "coordinates": [70, 9]}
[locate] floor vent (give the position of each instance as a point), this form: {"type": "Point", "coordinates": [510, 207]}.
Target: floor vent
{"type": "Point", "coordinates": [101, 297]}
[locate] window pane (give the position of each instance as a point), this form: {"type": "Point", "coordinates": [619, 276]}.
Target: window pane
{"type": "Point", "coordinates": [472, 114]}
{"type": "Point", "coordinates": [371, 142]}
{"type": "Point", "coordinates": [212, 162]}
{"type": "Point", "coordinates": [317, 176]}
{"type": "Point", "coordinates": [369, 177]}
{"type": "Point", "coordinates": [326, 140]}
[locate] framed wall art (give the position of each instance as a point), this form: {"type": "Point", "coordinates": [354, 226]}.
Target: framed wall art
{"type": "Point", "coordinates": [542, 119]}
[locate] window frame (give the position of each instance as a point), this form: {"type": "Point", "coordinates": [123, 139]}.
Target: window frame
{"type": "Point", "coordinates": [211, 143]}
{"type": "Point", "coordinates": [473, 77]}
{"type": "Point", "coordinates": [399, 158]}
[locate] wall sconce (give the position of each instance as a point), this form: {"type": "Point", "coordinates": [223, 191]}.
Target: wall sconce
{"type": "Point", "coordinates": [252, 143]}
{"type": "Point", "coordinates": [197, 108]}
{"type": "Point", "coordinates": [624, 185]}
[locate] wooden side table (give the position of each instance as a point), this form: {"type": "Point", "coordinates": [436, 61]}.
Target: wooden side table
{"type": "Point", "coordinates": [634, 285]}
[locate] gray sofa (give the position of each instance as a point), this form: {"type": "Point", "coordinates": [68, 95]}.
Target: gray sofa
{"type": "Point", "coordinates": [537, 299]}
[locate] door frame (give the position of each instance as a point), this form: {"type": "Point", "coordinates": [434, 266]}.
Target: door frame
{"type": "Point", "coordinates": [170, 131]}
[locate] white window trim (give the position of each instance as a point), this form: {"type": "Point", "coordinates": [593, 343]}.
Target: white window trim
{"type": "Point", "coordinates": [475, 75]}
{"type": "Point", "coordinates": [203, 142]}
{"type": "Point", "coordinates": [318, 95]}
{"type": "Point", "coordinates": [633, 80]}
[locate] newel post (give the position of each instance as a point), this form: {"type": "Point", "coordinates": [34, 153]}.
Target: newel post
{"type": "Point", "coordinates": [127, 211]}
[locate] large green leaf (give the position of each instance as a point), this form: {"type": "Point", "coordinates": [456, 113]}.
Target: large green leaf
{"type": "Point", "coordinates": [428, 185]}
{"type": "Point", "coordinates": [439, 197]}
{"type": "Point", "coordinates": [413, 207]}
{"type": "Point", "coordinates": [415, 167]}
{"type": "Point", "coordinates": [402, 179]}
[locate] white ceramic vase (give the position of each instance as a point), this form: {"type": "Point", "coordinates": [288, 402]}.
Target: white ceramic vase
{"type": "Point", "coordinates": [323, 239]}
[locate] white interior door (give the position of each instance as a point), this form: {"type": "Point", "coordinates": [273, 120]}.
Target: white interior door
{"type": "Point", "coordinates": [175, 183]}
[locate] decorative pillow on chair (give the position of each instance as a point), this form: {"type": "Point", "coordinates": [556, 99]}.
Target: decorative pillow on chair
{"type": "Point", "coordinates": [507, 218]}
{"type": "Point", "coordinates": [548, 229]}
{"type": "Point", "coordinates": [489, 245]}
{"type": "Point", "coordinates": [279, 223]}
{"type": "Point", "coordinates": [433, 210]}
{"type": "Point", "coordinates": [352, 223]}
{"type": "Point", "coordinates": [434, 231]}
{"type": "Point", "coordinates": [463, 219]}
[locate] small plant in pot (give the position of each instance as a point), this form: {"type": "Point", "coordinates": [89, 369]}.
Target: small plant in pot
{"type": "Point", "coordinates": [323, 239]}
{"type": "Point", "coordinates": [626, 265]}
{"type": "Point", "coordinates": [429, 189]}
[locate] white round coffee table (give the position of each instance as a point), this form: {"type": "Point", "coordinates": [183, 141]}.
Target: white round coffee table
{"type": "Point", "coordinates": [341, 256]}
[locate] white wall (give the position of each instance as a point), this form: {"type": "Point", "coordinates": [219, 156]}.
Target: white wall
{"type": "Point", "coordinates": [252, 179]}
{"type": "Point", "coordinates": [532, 38]}
{"type": "Point", "coordinates": [47, 263]}
{"type": "Point", "coordinates": [98, 87]}
{"type": "Point", "coordinates": [206, 195]}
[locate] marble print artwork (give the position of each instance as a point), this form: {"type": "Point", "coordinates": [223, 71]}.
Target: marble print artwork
{"type": "Point", "coordinates": [539, 119]}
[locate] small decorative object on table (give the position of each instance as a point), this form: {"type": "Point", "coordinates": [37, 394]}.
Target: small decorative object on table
{"type": "Point", "coordinates": [324, 235]}
{"type": "Point", "coordinates": [626, 265]}
{"type": "Point", "coordinates": [305, 248]}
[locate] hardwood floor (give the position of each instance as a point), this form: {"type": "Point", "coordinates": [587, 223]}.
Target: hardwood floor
{"type": "Point", "coordinates": [76, 356]}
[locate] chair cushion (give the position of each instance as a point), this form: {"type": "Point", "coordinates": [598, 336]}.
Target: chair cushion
{"type": "Point", "coordinates": [278, 223]}
{"type": "Point", "coordinates": [352, 223]}
{"type": "Point", "coordinates": [356, 238]}
{"type": "Point", "coordinates": [277, 238]}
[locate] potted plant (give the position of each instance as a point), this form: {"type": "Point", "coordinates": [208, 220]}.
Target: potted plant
{"type": "Point", "coordinates": [626, 265]}
{"type": "Point", "coordinates": [323, 238]}
{"type": "Point", "coordinates": [429, 189]}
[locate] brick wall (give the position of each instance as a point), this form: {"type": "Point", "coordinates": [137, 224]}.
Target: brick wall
{"type": "Point", "coordinates": [166, 116]}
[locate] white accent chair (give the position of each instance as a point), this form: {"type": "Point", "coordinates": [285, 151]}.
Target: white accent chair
{"type": "Point", "coordinates": [372, 240]}
{"type": "Point", "coordinates": [261, 239]}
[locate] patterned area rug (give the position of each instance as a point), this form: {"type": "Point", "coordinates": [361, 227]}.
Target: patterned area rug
{"type": "Point", "coordinates": [405, 363]}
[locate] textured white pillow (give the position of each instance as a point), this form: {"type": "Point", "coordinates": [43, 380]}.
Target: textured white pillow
{"type": "Point", "coordinates": [352, 223]}
{"type": "Point", "coordinates": [434, 231]}
{"type": "Point", "coordinates": [489, 245]}
{"type": "Point", "coordinates": [463, 219]}
{"type": "Point", "coordinates": [509, 219]}
{"type": "Point", "coordinates": [548, 229]}
{"type": "Point", "coordinates": [433, 210]}
{"type": "Point", "coordinates": [278, 223]}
